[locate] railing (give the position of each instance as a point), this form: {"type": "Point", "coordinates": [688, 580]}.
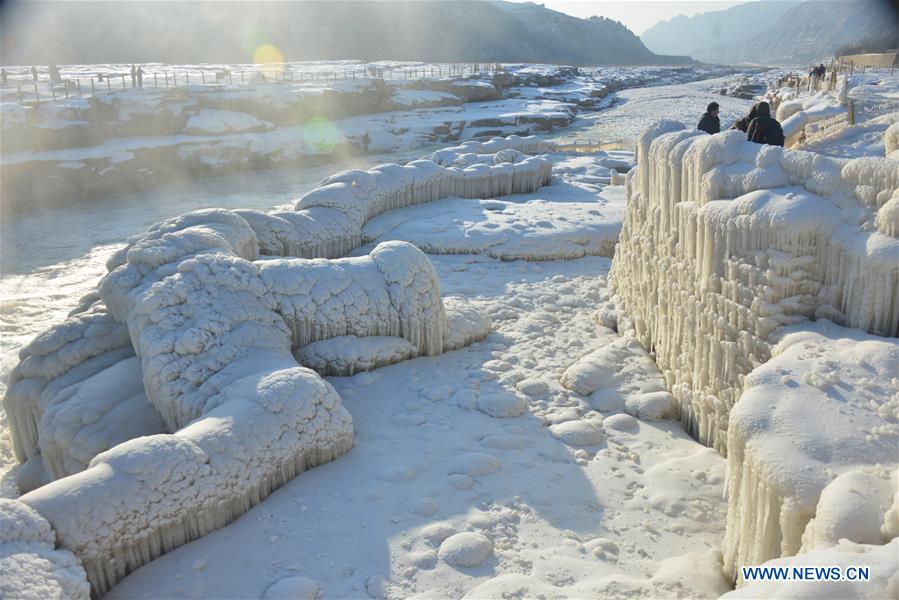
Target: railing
{"type": "Point", "coordinates": [27, 88]}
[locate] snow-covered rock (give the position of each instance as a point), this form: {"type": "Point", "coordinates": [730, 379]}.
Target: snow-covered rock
{"type": "Point", "coordinates": [465, 549]}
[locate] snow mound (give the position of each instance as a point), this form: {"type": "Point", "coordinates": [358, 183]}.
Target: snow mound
{"type": "Point", "coordinates": [579, 432]}
{"type": "Point", "coordinates": [502, 404]}
{"type": "Point", "coordinates": [853, 506]}
{"type": "Point", "coordinates": [610, 366]}
{"type": "Point", "coordinates": [212, 121]}
{"type": "Point", "coordinates": [32, 568]}
{"type": "Point", "coordinates": [474, 464]}
{"type": "Point", "coordinates": [349, 354]}
{"type": "Point", "coordinates": [653, 406]}
{"type": "Point", "coordinates": [822, 408]}
{"type": "Point", "coordinates": [464, 323]}
{"type": "Point", "coordinates": [465, 549]}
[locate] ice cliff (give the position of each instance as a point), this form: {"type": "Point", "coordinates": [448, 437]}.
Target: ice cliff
{"type": "Point", "coordinates": [172, 401]}
{"type": "Point", "coordinates": [724, 244]}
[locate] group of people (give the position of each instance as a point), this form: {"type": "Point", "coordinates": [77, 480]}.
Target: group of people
{"type": "Point", "coordinates": [760, 127]}
{"type": "Point", "coordinates": [137, 76]}
{"type": "Point", "coordinates": [818, 71]}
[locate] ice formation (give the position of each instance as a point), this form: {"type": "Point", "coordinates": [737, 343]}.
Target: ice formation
{"type": "Point", "coordinates": [788, 464]}
{"type": "Point", "coordinates": [796, 113]}
{"type": "Point", "coordinates": [726, 242]}
{"type": "Point", "coordinates": [891, 141]}
{"type": "Point", "coordinates": [175, 393]}
{"type": "Point", "coordinates": [32, 568]}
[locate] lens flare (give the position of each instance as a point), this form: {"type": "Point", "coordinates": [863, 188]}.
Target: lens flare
{"type": "Point", "coordinates": [270, 59]}
{"type": "Point", "coordinates": [320, 134]}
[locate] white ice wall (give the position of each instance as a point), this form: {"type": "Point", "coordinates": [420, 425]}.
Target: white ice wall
{"type": "Point", "coordinates": [725, 242]}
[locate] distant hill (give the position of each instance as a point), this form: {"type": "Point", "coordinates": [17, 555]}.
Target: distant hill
{"type": "Point", "coordinates": [38, 32]}
{"type": "Point", "coordinates": [702, 36]}
{"type": "Point", "coordinates": [795, 33]}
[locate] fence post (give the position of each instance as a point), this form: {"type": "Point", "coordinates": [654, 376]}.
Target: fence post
{"type": "Point", "coordinates": [78, 81]}
{"type": "Point", "coordinates": [66, 86]}
{"type": "Point", "coordinates": [229, 77]}
{"type": "Point", "coordinates": [241, 76]}
{"type": "Point", "coordinates": [155, 80]}
{"type": "Point", "coordinates": [21, 99]}
{"type": "Point", "coordinates": [92, 86]}
{"type": "Point", "coordinates": [123, 82]}
{"type": "Point", "coordinates": [203, 76]}
{"type": "Point", "coordinates": [108, 84]}
{"type": "Point", "coordinates": [37, 96]}
{"type": "Point", "coordinates": [187, 74]}
{"type": "Point", "coordinates": [52, 90]}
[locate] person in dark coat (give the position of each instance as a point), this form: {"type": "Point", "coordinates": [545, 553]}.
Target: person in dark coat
{"type": "Point", "coordinates": [764, 129]}
{"type": "Point", "coordinates": [743, 124]}
{"type": "Point", "coordinates": [710, 123]}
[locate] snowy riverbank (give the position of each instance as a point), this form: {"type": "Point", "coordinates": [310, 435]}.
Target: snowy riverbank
{"type": "Point", "coordinates": [135, 139]}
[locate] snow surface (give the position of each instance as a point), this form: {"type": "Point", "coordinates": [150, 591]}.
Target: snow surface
{"type": "Point", "coordinates": [429, 465]}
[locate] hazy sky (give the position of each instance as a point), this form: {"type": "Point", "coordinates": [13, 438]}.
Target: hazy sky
{"type": "Point", "coordinates": [637, 15]}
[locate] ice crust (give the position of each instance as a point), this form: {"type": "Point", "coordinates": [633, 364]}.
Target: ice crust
{"type": "Point", "coordinates": [201, 311]}
{"type": "Point", "coordinates": [728, 250]}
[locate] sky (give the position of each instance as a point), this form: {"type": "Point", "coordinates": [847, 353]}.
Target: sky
{"type": "Point", "coordinates": [637, 15]}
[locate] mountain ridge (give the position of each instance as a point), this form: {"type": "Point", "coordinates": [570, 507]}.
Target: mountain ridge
{"type": "Point", "coordinates": [447, 31]}
{"type": "Point", "coordinates": [769, 32]}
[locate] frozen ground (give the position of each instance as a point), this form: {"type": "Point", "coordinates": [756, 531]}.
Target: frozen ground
{"type": "Point", "coordinates": [574, 498]}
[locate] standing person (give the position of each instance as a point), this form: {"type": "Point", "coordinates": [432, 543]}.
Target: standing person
{"type": "Point", "coordinates": [140, 77]}
{"type": "Point", "coordinates": [710, 123]}
{"type": "Point", "coordinates": [34, 73]}
{"type": "Point", "coordinates": [133, 76]}
{"type": "Point", "coordinates": [764, 129]}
